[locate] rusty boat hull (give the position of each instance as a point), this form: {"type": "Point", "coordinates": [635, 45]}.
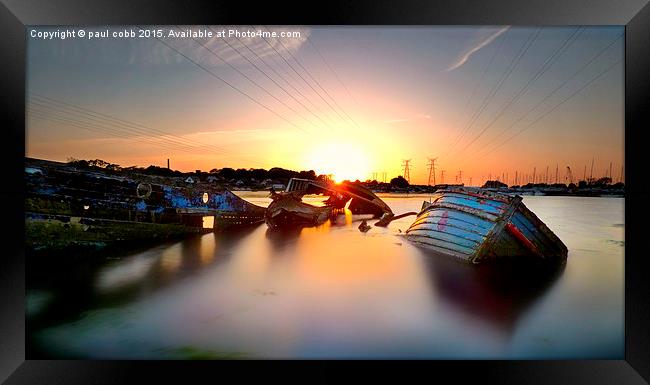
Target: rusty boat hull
{"type": "Point", "coordinates": [288, 211]}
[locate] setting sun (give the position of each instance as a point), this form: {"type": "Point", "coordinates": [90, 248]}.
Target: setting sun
{"type": "Point", "coordinates": [344, 161]}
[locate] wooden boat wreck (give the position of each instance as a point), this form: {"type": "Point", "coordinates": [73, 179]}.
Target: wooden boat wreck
{"type": "Point", "coordinates": [95, 206]}
{"type": "Point", "coordinates": [477, 225]}
{"type": "Point", "coordinates": [288, 209]}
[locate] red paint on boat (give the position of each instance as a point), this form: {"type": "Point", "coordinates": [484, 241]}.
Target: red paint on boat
{"type": "Point", "coordinates": [442, 223]}
{"type": "Point", "coordinates": [514, 231]}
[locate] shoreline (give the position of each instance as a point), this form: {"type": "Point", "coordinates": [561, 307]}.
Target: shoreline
{"type": "Point", "coordinates": [583, 194]}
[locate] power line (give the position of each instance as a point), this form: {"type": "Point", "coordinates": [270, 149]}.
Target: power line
{"type": "Point", "coordinates": [311, 43]}
{"type": "Point", "coordinates": [323, 89]}
{"type": "Point", "coordinates": [291, 75]}
{"type": "Point", "coordinates": [318, 84]}
{"type": "Point", "coordinates": [300, 76]}
{"type": "Point", "coordinates": [513, 65]}
{"type": "Point", "coordinates": [258, 85]}
{"type": "Point", "coordinates": [486, 101]}
{"type": "Point", "coordinates": [555, 107]}
{"type": "Point", "coordinates": [545, 67]}
{"type": "Point", "coordinates": [112, 130]}
{"type": "Point", "coordinates": [289, 72]}
{"type": "Point", "coordinates": [46, 113]}
{"type": "Point", "coordinates": [255, 83]}
{"type": "Point", "coordinates": [50, 103]}
{"type": "Point", "coordinates": [407, 169]}
{"type": "Point", "coordinates": [477, 85]}
{"type": "Point", "coordinates": [32, 113]}
{"type": "Point", "coordinates": [280, 76]}
{"type": "Point", "coordinates": [233, 87]}
{"type": "Point", "coordinates": [121, 125]}
{"type": "Point", "coordinates": [553, 92]}
{"type": "Point", "coordinates": [432, 171]}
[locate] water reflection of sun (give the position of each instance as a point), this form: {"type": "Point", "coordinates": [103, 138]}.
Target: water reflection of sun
{"type": "Point", "coordinates": [343, 161]}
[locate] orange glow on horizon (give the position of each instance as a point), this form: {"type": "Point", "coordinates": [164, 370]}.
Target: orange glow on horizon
{"type": "Point", "coordinates": [369, 123]}
{"type": "Point", "coordinates": [344, 161]}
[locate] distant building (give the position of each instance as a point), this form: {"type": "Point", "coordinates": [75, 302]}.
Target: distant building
{"type": "Point", "coordinates": [189, 180]}
{"type": "Point", "coordinates": [212, 179]}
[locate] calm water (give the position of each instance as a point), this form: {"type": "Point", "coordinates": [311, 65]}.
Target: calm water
{"type": "Point", "coordinates": [333, 291]}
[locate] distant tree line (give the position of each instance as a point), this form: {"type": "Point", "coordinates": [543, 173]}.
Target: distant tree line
{"type": "Point", "coordinates": [93, 163]}
{"type": "Point", "coordinates": [101, 164]}
{"type": "Point", "coordinates": [281, 175]}
{"type": "Point", "coordinates": [259, 174]}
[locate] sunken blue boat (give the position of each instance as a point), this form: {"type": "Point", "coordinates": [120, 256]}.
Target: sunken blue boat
{"type": "Point", "coordinates": [477, 225]}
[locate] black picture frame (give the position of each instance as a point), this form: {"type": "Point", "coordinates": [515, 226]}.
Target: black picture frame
{"type": "Point", "coordinates": [634, 14]}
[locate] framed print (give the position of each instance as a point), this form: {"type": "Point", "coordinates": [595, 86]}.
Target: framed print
{"type": "Point", "coordinates": [460, 185]}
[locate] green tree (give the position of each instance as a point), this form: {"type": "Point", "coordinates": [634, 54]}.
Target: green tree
{"type": "Point", "coordinates": [399, 182]}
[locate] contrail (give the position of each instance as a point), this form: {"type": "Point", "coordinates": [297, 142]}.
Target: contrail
{"type": "Point", "coordinates": [464, 57]}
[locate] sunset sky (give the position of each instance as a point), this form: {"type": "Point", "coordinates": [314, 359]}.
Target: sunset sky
{"type": "Point", "coordinates": [351, 101]}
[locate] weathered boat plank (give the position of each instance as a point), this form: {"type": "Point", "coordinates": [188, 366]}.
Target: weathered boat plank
{"type": "Point", "coordinates": [457, 238]}
{"type": "Point", "coordinates": [460, 219]}
{"type": "Point", "coordinates": [454, 227]}
{"type": "Point", "coordinates": [476, 226]}
{"type": "Point", "coordinates": [444, 247]}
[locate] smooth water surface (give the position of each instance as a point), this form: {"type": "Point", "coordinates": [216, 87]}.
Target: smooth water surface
{"type": "Point", "coordinates": [335, 292]}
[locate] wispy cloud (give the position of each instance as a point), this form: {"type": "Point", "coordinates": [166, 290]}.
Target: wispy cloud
{"type": "Point", "coordinates": [222, 48]}
{"type": "Point", "coordinates": [149, 51]}
{"type": "Point", "coordinates": [464, 57]}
